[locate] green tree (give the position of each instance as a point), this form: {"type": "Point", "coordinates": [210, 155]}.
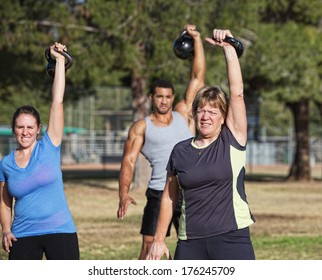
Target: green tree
{"type": "Point", "coordinates": [26, 31]}
{"type": "Point", "coordinates": [114, 43]}
{"type": "Point", "coordinates": [285, 64]}
{"type": "Point", "coordinates": [281, 62]}
{"type": "Point", "coordinates": [138, 37]}
{"type": "Point", "coordinates": [129, 43]}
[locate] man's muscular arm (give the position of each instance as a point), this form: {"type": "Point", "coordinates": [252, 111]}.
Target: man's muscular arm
{"type": "Point", "coordinates": [132, 148]}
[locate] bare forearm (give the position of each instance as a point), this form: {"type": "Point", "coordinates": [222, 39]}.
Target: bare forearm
{"type": "Point", "coordinates": [234, 74]}
{"type": "Point", "coordinates": [131, 151]}
{"type": "Point", "coordinates": [6, 203]}
{"type": "Point", "coordinates": [125, 179]}
{"type": "Point", "coordinates": [5, 218]}
{"type": "Point", "coordinates": [165, 215]}
{"type": "Point", "coordinates": [197, 73]}
{"type": "Point", "coordinates": [58, 88]}
{"type": "Point", "coordinates": [198, 69]}
{"type": "Point", "coordinates": [236, 117]}
{"type": "Point", "coordinates": [56, 119]}
{"type": "Point", "coordinates": [168, 202]}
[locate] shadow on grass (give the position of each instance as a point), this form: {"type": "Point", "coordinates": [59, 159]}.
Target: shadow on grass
{"type": "Point", "coordinates": [269, 178]}
{"type": "Point", "coordinates": [265, 178]}
{"type": "Point", "coordinates": [98, 183]}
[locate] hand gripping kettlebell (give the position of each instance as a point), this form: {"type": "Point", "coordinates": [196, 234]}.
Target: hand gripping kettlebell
{"type": "Point", "coordinates": [50, 69]}
{"type": "Point", "coordinates": [183, 46]}
{"type": "Point", "coordinates": [236, 44]}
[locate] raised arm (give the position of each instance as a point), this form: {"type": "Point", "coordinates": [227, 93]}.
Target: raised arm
{"type": "Point", "coordinates": [132, 148]}
{"type": "Point", "coordinates": [197, 77]}
{"type": "Point", "coordinates": [56, 116]}
{"type": "Point", "coordinates": [236, 118]}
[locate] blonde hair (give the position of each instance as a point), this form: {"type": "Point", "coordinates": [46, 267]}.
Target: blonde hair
{"type": "Point", "coordinates": [212, 95]}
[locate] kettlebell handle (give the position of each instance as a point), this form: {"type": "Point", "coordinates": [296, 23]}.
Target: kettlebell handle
{"type": "Point", "coordinates": [68, 57]}
{"type": "Point", "coordinates": [184, 31]}
{"type": "Point", "coordinates": [236, 44]}
{"type": "Point", "coordinates": [230, 40]}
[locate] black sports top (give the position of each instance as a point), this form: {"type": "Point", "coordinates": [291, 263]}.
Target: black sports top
{"type": "Point", "coordinates": [211, 180]}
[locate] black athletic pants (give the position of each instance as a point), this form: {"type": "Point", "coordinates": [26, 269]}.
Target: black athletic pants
{"type": "Point", "coordinates": [61, 246]}
{"type": "Point", "coordinates": [234, 245]}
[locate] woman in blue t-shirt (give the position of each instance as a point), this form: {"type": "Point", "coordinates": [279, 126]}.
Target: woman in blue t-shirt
{"type": "Point", "coordinates": [31, 181]}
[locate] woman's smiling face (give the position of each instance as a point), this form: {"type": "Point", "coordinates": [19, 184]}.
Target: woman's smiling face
{"type": "Point", "coordinates": [26, 130]}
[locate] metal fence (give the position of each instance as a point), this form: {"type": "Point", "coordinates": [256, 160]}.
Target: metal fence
{"type": "Point", "coordinates": [102, 147]}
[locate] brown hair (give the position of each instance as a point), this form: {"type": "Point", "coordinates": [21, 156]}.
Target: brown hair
{"type": "Point", "coordinates": [212, 95]}
{"type": "Point", "coordinates": [27, 109]}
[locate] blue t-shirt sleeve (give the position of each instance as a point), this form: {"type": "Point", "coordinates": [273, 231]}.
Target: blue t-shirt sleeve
{"type": "Point", "coordinates": [48, 143]}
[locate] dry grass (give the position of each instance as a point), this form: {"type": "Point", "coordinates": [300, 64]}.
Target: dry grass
{"type": "Point", "coordinates": [287, 209]}
{"type": "Point", "coordinates": [94, 205]}
{"type": "Point", "coordinates": [289, 218]}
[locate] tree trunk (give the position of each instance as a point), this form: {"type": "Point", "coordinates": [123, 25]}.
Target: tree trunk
{"type": "Point", "coordinates": [140, 106]}
{"type": "Point", "coordinates": [319, 105]}
{"type": "Point", "coordinates": [300, 169]}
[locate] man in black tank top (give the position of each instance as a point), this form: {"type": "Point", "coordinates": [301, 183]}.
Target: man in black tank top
{"type": "Point", "coordinates": [141, 136]}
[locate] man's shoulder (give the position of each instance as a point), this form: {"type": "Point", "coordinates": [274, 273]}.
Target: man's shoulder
{"type": "Point", "coordinates": [181, 107]}
{"type": "Point", "coordinates": [177, 114]}
{"type": "Point", "coordinates": [140, 122]}
{"type": "Point", "coordinates": [138, 127]}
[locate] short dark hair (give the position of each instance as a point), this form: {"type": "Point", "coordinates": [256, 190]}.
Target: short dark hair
{"type": "Point", "coordinates": [26, 109]}
{"type": "Point", "coordinates": [161, 83]}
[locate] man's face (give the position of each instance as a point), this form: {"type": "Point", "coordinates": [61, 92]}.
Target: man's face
{"type": "Point", "coordinates": [162, 100]}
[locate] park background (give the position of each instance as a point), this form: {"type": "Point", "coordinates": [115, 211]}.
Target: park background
{"type": "Point", "coordinates": [119, 47]}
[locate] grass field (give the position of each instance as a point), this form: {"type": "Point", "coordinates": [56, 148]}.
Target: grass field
{"type": "Point", "coordinates": [288, 218]}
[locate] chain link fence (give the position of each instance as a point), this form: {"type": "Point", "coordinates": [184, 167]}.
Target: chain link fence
{"type": "Point", "coordinates": [101, 147]}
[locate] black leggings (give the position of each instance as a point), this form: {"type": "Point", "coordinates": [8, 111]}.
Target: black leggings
{"type": "Point", "coordinates": [234, 245]}
{"type": "Point", "coordinates": [60, 246]}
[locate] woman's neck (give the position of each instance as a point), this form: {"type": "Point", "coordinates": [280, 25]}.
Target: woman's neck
{"type": "Point", "coordinates": [201, 141]}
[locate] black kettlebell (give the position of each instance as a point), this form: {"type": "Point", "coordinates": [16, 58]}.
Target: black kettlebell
{"type": "Point", "coordinates": [50, 69]}
{"type": "Point", "coordinates": [236, 44]}
{"type": "Point", "coordinates": [183, 46]}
